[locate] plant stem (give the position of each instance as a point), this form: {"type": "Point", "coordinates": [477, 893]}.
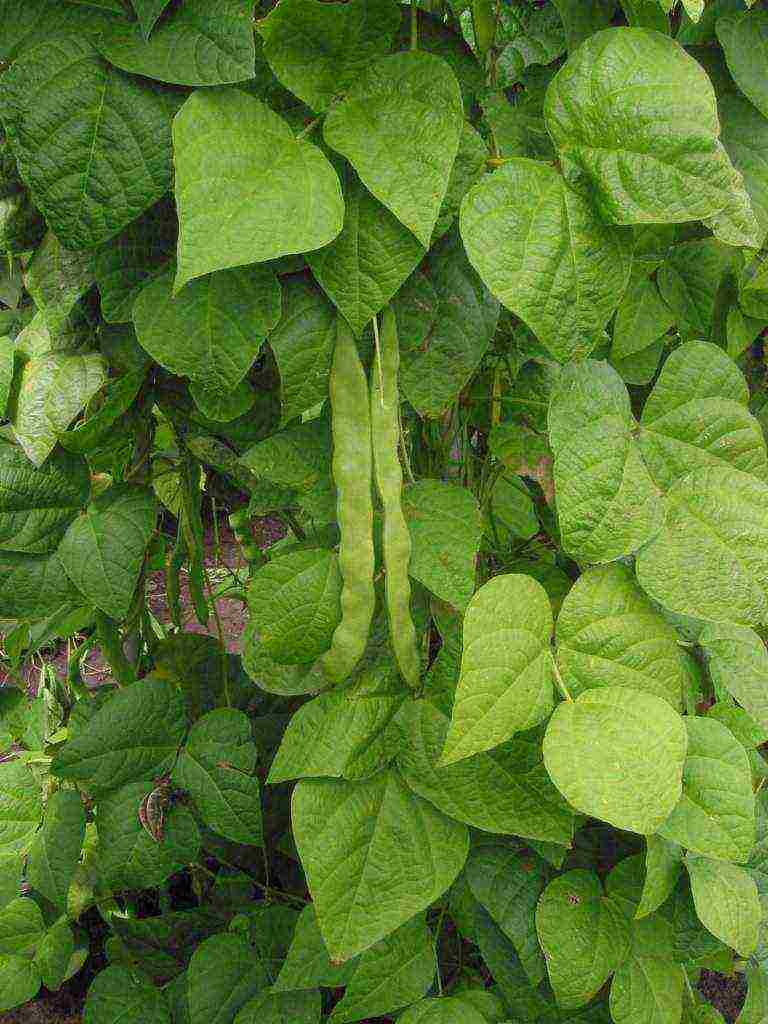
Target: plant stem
{"type": "Point", "coordinates": [308, 129]}
{"type": "Point", "coordinates": [559, 679]}
{"type": "Point", "coordinates": [414, 25]}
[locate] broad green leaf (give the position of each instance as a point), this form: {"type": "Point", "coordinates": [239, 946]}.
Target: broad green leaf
{"type": "Point", "coordinates": [20, 807]}
{"type": "Point", "coordinates": [710, 560]}
{"type": "Point", "coordinates": [286, 680]}
{"type": "Point", "coordinates": [697, 415]}
{"type": "Point", "coordinates": [738, 663]}
{"type": "Point", "coordinates": [744, 38]}
{"type": "Point", "coordinates": [341, 734]}
{"type": "Point", "coordinates": [247, 197]}
{"type": "Point", "coordinates": [57, 279]}
{"type": "Point", "coordinates": [414, 102]}
{"type": "Point", "coordinates": [445, 1010]}
{"type": "Point", "coordinates": [302, 343]}
{"type": "Point", "coordinates": [114, 159]}
{"type": "Point", "coordinates": [567, 281]}
{"type": "Point", "coordinates": [103, 550]}
{"type": "Point", "coordinates": [224, 975]}
{"type": "Point", "coordinates": [213, 329]}
{"type": "Point", "coordinates": [374, 854]}
{"type": "Point", "coordinates": [582, 18]}
{"type": "Point", "coordinates": [119, 395]}
{"type": "Point", "coordinates": [394, 973]}
{"type": "Point", "coordinates": [584, 935]}
{"type": "Point", "coordinates": [508, 884]}
{"type": "Point", "coordinates": [294, 601]}
{"type": "Point", "coordinates": [26, 23]}
{"type": "Point", "coordinates": [126, 263]}
{"type": "Point", "coordinates": [282, 1008]}
{"type": "Point", "coordinates": [440, 39]}
{"type": "Point", "coordinates": [215, 767]}
{"type": "Point", "coordinates": [756, 1003]}
{"type": "Point", "coordinates": [745, 137]}
{"type": "Point", "coordinates": [19, 981]}
{"type": "Point", "coordinates": [689, 280]}
{"type": "Point", "coordinates": [195, 45]}
{"type": "Point", "coordinates": [223, 406]}
{"type": "Point", "coordinates": [518, 129]}
{"type": "Point", "coordinates": [52, 391]}
{"type": "Point", "coordinates": [317, 50]}
{"type": "Point", "coordinates": [617, 754]}
{"type": "Point", "coordinates": [6, 373]}
{"type": "Point", "coordinates": [21, 927]}
{"type": "Point", "coordinates": [610, 634]}
{"type": "Point", "coordinates": [296, 457]}
{"type": "Point", "coordinates": [641, 318]}
{"type": "Point", "coordinates": [726, 901]}
{"type": "Point", "coordinates": [607, 504]}
{"type": "Point", "coordinates": [663, 860]}
{"type": "Point", "coordinates": [511, 512]}
{"type": "Point", "coordinates": [468, 168]}
{"type": "Point", "coordinates": [307, 964]}
{"type": "Point", "coordinates": [634, 118]}
{"type": "Point", "coordinates": [522, 999]}
{"type": "Point", "coordinates": [54, 954]}
{"type": "Point", "coordinates": [147, 12]}
{"type": "Point", "coordinates": [505, 683]}
{"type": "Point", "coordinates": [118, 994]}
{"type": "Point", "coordinates": [55, 851]}
{"type": "Point", "coordinates": [486, 1001]}
{"type": "Point", "coordinates": [129, 857]}
{"type": "Point", "coordinates": [505, 790]}
{"type": "Point", "coordinates": [456, 329]}
{"type": "Point", "coordinates": [715, 815]}
{"type": "Point", "coordinates": [541, 39]}
{"type": "Point", "coordinates": [133, 736]}
{"type": "Point", "coordinates": [37, 505]}
{"type": "Point", "coordinates": [445, 528]}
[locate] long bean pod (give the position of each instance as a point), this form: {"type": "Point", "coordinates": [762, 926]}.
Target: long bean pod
{"type": "Point", "coordinates": [352, 472]}
{"type": "Point", "coordinates": [385, 433]}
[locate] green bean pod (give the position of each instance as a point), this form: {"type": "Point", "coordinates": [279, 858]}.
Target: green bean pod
{"type": "Point", "coordinates": [385, 433]}
{"type": "Point", "coordinates": [352, 472]}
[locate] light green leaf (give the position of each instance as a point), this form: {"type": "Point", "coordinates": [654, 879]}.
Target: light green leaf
{"type": "Point", "coordinates": [584, 936]}
{"type": "Point", "coordinates": [341, 734]}
{"type": "Point", "coordinates": [215, 767]}
{"type": "Point", "coordinates": [505, 683]}
{"type": "Point", "coordinates": [343, 830]}
{"type": "Point", "coordinates": [663, 860]}
{"type": "Point", "coordinates": [52, 391]}
{"type": "Point", "coordinates": [286, 680]}
{"type": "Point", "coordinates": [456, 324]}
{"type": "Point", "coordinates": [134, 735]}
{"type": "Point", "coordinates": [394, 973]}
{"type": "Point", "coordinates": [55, 851]}
{"type": "Point", "coordinates": [468, 168]}
{"type": "Point", "coordinates": [119, 394]}
{"type": "Point", "coordinates": [697, 415]}
{"type": "Point", "coordinates": [414, 103]}
{"type": "Point", "coordinates": [745, 137]}
{"type": "Point", "coordinates": [37, 505]}
{"type": "Point", "coordinates": [738, 663]}
{"type": "Point", "coordinates": [450, 1010]}
{"type": "Point", "coordinates": [128, 856]}
{"type": "Point", "coordinates": [607, 504]}
{"type": "Point", "coordinates": [511, 512]}
{"type": "Point", "coordinates": [508, 884]}
{"type": "Point", "coordinates": [610, 634]}
{"type": "Point", "coordinates": [282, 1008]}
{"type": "Point", "coordinates": [318, 50]}
{"type": "Point", "coordinates": [246, 197]}
{"type": "Point", "coordinates": [220, 406]}
{"type": "Point", "coordinates": [445, 528]}
{"type": "Point", "coordinates": [7, 370]}
{"type": "Point", "coordinates": [567, 284]}
{"type": "Point", "coordinates": [689, 280]}
{"type": "Point", "coordinates": [641, 318]}
{"type": "Point", "coordinates": [296, 457]}
{"type": "Point", "coordinates": [710, 561]}
{"type": "Point", "coordinates": [117, 994]}
{"type": "Point", "coordinates": [57, 279]}
{"type": "Point", "coordinates": [365, 265]}
{"type": "Point", "coordinates": [224, 975]}
{"type": "Point", "coordinates": [726, 901]}
{"type": "Point", "coordinates": [103, 550]}
{"type": "Point", "coordinates": [302, 343]}
{"type": "Point", "coordinates": [196, 45]}
{"type": "Point", "coordinates": [92, 180]}
{"type": "Point", "coordinates": [124, 265]}
{"type": "Point", "coordinates": [294, 602]}
{"type": "Point", "coordinates": [307, 964]}
{"type": "Point", "coordinates": [521, 998]}
{"type": "Point", "coordinates": [19, 981]}
{"type": "Point", "coordinates": [505, 790]}
{"type": "Point", "coordinates": [21, 807]}
{"type": "Point", "coordinates": [635, 120]}
{"type": "Point", "coordinates": [21, 927]}
{"type": "Point", "coordinates": [755, 1006]}
{"type": "Point", "coordinates": [54, 954]}
{"type": "Point", "coordinates": [744, 39]}
{"type": "Point", "coordinates": [212, 331]}
{"type": "Point", "coordinates": [715, 815]}
{"type": "Point", "coordinates": [648, 987]}
{"type": "Point", "coordinates": [438, 38]}
{"type": "Point", "coordinates": [617, 754]}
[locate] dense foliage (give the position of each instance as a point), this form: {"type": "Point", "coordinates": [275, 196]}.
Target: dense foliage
{"type": "Point", "coordinates": [470, 296]}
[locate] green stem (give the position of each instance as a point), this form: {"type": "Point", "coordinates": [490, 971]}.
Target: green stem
{"type": "Point", "coordinates": [308, 129]}
{"type": "Point", "coordinates": [414, 25]}
{"type": "Point", "coordinates": [559, 679]}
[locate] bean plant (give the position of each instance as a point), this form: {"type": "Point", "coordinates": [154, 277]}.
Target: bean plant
{"type": "Point", "coordinates": [468, 298]}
